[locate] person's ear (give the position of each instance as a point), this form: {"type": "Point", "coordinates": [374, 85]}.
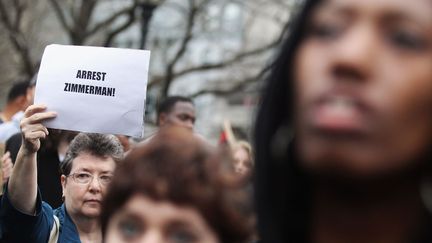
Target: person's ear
{"type": "Point", "coordinates": [22, 102]}
{"type": "Point", "coordinates": [63, 182]}
{"type": "Point", "coordinates": [30, 95]}
{"type": "Point", "coordinates": [162, 119]}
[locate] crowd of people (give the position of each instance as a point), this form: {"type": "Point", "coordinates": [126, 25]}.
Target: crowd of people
{"type": "Point", "coordinates": [341, 150]}
{"type": "Point", "coordinates": [188, 187]}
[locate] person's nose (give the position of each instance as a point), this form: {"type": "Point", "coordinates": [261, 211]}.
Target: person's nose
{"type": "Point", "coordinates": [94, 185]}
{"type": "Point", "coordinates": [152, 236]}
{"type": "Point", "coordinates": [189, 124]}
{"type": "Point", "coordinates": [240, 169]}
{"type": "Point", "coordinates": [355, 54]}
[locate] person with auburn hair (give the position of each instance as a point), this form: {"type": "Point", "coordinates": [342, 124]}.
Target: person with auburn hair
{"type": "Point", "coordinates": [175, 189]}
{"type": "Point", "coordinates": [344, 130]}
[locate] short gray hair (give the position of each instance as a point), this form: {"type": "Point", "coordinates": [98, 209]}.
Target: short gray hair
{"type": "Point", "coordinates": [99, 145]}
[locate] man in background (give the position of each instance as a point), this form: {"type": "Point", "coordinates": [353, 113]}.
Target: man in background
{"type": "Point", "coordinates": [17, 100]}
{"type": "Point", "coordinates": [176, 111]}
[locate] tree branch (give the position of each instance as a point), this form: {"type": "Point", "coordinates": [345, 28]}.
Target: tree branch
{"type": "Point", "coordinates": [110, 37]}
{"type": "Point", "coordinates": [19, 11]}
{"type": "Point", "coordinates": [85, 13]}
{"type": "Point", "coordinates": [235, 88]}
{"type": "Point", "coordinates": [107, 22]}
{"type": "Point", "coordinates": [5, 17]}
{"type": "Point", "coordinates": [78, 33]}
{"type": "Point", "coordinates": [60, 15]}
{"type": "Point", "coordinates": [239, 57]}
{"type": "Point", "coordinates": [183, 46]}
{"type": "Point", "coordinates": [17, 38]}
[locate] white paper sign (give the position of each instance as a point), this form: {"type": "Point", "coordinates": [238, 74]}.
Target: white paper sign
{"type": "Point", "coordinates": [94, 89]}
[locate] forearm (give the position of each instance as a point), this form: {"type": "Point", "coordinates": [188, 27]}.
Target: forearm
{"type": "Point", "coordinates": [22, 185]}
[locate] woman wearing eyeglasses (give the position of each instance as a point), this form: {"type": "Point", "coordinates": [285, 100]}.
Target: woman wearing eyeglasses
{"type": "Point", "coordinates": [86, 171]}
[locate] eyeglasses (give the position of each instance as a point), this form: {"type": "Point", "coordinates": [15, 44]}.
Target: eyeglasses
{"type": "Point", "coordinates": [86, 178]}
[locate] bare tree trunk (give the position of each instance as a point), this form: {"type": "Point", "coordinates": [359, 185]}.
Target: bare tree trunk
{"type": "Point", "coordinates": [193, 11]}
{"type": "Point", "coordinates": [11, 20]}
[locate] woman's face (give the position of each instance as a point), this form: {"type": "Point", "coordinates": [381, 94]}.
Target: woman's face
{"type": "Point", "coordinates": [143, 220]}
{"type": "Point", "coordinates": [242, 162]}
{"type": "Point", "coordinates": [364, 86]}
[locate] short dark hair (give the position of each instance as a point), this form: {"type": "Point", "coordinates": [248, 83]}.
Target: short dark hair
{"type": "Point", "coordinates": [177, 167]}
{"type": "Point", "coordinates": [18, 89]}
{"type": "Point", "coordinates": [168, 104]}
{"type": "Point", "coordinates": [100, 145]}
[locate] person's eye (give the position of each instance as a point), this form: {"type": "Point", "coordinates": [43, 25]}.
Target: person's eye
{"type": "Point", "coordinates": [182, 236]}
{"type": "Point", "coordinates": [406, 40]}
{"type": "Point", "coordinates": [183, 117]}
{"type": "Point", "coordinates": [324, 30]}
{"type": "Point", "coordinates": [83, 176]}
{"type": "Point", "coordinates": [105, 179]}
{"type": "Point", "coordinates": [129, 229]}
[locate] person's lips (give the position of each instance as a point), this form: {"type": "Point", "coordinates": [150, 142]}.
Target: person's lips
{"type": "Point", "coordinates": [92, 201]}
{"type": "Point", "coordinates": [340, 114]}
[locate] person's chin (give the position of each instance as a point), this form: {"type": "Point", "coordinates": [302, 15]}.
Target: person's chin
{"type": "Point", "coordinates": [91, 213]}
{"type": "Point", "coordinates": [92, 210]}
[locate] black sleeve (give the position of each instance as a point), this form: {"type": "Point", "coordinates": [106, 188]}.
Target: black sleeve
{"type": "Point", "coordinates": [13, 144]}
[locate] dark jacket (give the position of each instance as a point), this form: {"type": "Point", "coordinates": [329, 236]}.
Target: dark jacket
{"type": "Point", "coordinates": [19, 227]}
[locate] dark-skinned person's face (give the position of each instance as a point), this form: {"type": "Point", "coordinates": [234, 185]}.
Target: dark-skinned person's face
{"type": "Point", "coordinates": [363, 82]}
{"type": "Point", "coordinates": [182, 115]}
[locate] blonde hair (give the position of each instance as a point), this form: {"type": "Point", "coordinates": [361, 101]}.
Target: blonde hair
{"type": "Point", "coordinates": [242, 144]}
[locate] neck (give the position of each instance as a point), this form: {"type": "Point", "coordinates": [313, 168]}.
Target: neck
{"type": "Point", "coordinates": [89, 229]}
{"type": "Point", "coordinates": [7, 113]}
{"type": "Point", "coordinates": [368, 212]}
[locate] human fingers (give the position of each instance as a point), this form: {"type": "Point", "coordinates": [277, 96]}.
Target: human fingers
{"type": "Point", "coordinates": [29, 128]}
{"type": "Point", "coordinates": [32, 129]}
{"type": "Point", "coordinates": [31, 141]}
{"type": "Point", "coordinates": [33, 123]}
{"type": "Point", "coordinates": [38, 117]}
{"type": "Point", "coordinates": [32, 109]}
{"type": "Point", "coordinates": [32, 133]}
{"type": "Point", "coordinates": [35, 135]}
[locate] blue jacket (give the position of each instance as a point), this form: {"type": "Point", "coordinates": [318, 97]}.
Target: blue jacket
{"type": "Point", "coordinates": [19, 227]}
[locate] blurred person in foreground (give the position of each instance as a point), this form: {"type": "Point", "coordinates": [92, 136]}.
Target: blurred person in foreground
{"type": "Point", "coordinates": [85, 172]}
{"type": "Point", "coordinates": [344, 131]}
{"type": "Point", "coordinates": [175, 189]}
